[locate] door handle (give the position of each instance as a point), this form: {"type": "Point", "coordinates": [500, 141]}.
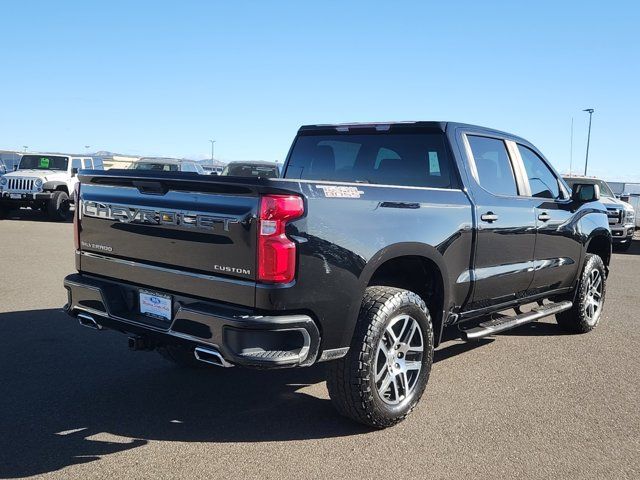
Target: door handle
{"type": "Point", "coordinates": [489, 217]}
{"type": "Point", "coordinates": [544, 217]}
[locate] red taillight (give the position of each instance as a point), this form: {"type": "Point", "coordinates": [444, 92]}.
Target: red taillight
{"type": "Point", "coordinates": [276, 253]}
{"type": "Point", "coordinates": [76, 216]}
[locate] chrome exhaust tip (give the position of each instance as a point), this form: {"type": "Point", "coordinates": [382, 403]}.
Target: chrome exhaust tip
{"type": "Point", "coordinates": [211, 356]}
{"type": "Point", "coordinates": [88, 321]}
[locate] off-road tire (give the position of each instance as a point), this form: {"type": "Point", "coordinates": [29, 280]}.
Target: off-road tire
{"type": "Point", "coordinates": [58, 206]}
{"type": "Point", "coordinates": [351, 381]}
{"type": "Point", "coordinates": [575, 320]}
{"type": "Point", "coordinates": [180, 356]}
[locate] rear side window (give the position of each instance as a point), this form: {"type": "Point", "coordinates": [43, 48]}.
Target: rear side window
{"type": "Point", "coordinates": [495, 173]}
{"type": "Point", "coordinates": [413, 159]}
{"type": "Point", "coordinates": [542, 181]}
{"type": "Point", "coordinates": [86, 163]}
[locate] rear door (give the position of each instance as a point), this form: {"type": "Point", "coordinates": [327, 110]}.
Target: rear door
{"type": "Point", "coordinates": [558, 246]}
{"type": "Point", "coordinates": [506, 224]}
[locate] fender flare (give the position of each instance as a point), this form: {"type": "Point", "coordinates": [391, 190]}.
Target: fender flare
{"type": "Point", "coordinates": [54, 185]}
{"type": "Point", "coordinates": [398, 250]}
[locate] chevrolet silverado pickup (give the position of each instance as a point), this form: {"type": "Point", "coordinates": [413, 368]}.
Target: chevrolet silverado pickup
{"type": "Point", "coordinates": [378, 242]}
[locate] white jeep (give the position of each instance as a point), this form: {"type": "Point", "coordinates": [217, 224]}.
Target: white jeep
{"type": "Point", "coordinates": [44, 182]}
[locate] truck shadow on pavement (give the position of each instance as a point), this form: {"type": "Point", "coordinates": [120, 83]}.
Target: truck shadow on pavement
{"type": "Point", "coordinates": [71, 395]}
{"type": "Point", "coordinates": [28, 215]}
{"type": "Point", "coordinates": [634, 249]}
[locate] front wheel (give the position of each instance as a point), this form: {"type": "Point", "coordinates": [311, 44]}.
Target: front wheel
{"type": "Point", "coordinates": [384, 374]}
{"type": "Point", "coordinates": [585, 314]}
{"type": "Point", "coordinates": [58, 206]}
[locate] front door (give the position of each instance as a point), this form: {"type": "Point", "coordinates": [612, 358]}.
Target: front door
{"type": "Point", "coordinates": [558, 246]}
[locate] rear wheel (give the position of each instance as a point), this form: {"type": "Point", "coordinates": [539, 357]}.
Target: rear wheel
{"type": "Point", "coordinates": [585, 314]}
{"type": "Point", "coordinates": [181, 356]}
{"type": "Point", "coordinates": [384, 374]}
{"type": "Point", "coordinates": [58, 206]}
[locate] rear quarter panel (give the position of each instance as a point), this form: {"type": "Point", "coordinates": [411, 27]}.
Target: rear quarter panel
{"type": "Point", "coordinates": [341, 242]}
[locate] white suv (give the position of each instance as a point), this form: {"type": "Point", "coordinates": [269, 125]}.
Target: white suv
{"type": "Point", "coordinates": [44, 182]}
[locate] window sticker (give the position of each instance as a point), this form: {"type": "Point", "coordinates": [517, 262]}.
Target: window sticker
{"type": "Point", "coordinates": [44, 162]}
{"type": "Point", "coordinates": [333, 191]}
{"type": "Point", "coordinates": [434, 164]}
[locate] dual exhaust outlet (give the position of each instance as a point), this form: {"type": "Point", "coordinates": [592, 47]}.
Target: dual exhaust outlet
{"type": "Point", "coordinates": [206, 355]}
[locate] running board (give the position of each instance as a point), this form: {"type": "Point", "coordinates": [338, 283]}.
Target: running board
{"type": "Point", "coordinates": [507, 323]}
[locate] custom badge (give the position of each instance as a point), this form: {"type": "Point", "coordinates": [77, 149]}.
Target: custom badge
{"type": "Point", "coordinates": [335, 191]}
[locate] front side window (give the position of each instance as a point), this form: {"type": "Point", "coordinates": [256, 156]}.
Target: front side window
{"type": "Point", "coordinates": [407, 159]}
{"type": "Point", "coordinates": [542, 181]}
{"type": "Point", "coordinates": [495, 173]}
{"type": "Point", "coordinates": [44, 162]}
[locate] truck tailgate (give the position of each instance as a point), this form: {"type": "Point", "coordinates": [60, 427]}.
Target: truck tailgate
{"type": "Point", "coordinates": [177, 232]}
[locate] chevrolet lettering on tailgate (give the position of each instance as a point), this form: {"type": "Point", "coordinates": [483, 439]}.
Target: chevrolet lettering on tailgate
{"type": "Point", "coordinates": [128, 214]}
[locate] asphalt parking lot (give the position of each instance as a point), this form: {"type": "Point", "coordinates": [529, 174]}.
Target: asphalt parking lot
{"type": "Point", "coordinates": [76, 403]}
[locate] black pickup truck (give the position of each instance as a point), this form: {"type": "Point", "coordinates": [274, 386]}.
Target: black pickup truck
{"type": "Point", "coordinates": [378, 242]}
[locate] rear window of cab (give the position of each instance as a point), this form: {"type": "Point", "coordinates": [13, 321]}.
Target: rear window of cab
{"type": "Point", "coordinates": [404, 159]}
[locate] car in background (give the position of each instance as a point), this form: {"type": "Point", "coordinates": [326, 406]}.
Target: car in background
{"type": "Point", "coordinates": [212, 169]}
{"type": "Point", "coordinates": [622, 216]}
{"type": "Point", "coordinates": [44, 182]}
{"type": "Point", "coordinates": [167, 165]}
{"type": "Point", "coordinates": [634, 201]}
{"type": "Point", "coordinates": [252, 169]}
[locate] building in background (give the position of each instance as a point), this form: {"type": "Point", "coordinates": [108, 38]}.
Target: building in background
{"type": "Point", "coordinates": [625, 188]}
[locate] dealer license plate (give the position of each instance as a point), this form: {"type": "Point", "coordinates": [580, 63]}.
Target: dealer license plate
{"type": "Point", "coordinates": [155, 305]}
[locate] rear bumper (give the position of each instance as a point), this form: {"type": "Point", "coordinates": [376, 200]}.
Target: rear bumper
{"type": "Point", "coordinates": [241, 336]}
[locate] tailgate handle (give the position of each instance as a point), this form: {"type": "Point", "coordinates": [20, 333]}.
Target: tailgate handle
{"type": "Point", "coordinates": [150, 188]}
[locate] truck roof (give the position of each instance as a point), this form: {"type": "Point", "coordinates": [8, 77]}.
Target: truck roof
{"type": "Point", "coordinates": [408, 126]}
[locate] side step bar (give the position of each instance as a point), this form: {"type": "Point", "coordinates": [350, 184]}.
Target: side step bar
{"type": "Point", "coordinates": [507, 323]}
{"type": "Point", "coordinates": [211, 356]}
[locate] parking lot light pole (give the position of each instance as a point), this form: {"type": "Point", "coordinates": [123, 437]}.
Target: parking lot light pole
{"type": "Point", "coordinates": [212, 142]}
{"type": "Point", "coordinates": [586, 160]}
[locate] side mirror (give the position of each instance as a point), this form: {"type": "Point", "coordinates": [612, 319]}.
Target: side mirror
{"type": "Point", "coordinates": [74, 171]}
{"type": "Point", "coordinates": [624, 198]}
{"type": "Point", "coordinates": [585, 192]}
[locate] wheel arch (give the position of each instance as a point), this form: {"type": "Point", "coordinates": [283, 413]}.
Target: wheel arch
{"type": "Point", "coordinates": [601, 244]}
{"type": "Point", "coordinates": [416, 267]}
{"type": "Point", "coordinates": [56, 186]}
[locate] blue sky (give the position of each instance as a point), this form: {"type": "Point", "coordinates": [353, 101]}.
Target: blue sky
{"type": "Point", "coordinates": [165, 77]}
